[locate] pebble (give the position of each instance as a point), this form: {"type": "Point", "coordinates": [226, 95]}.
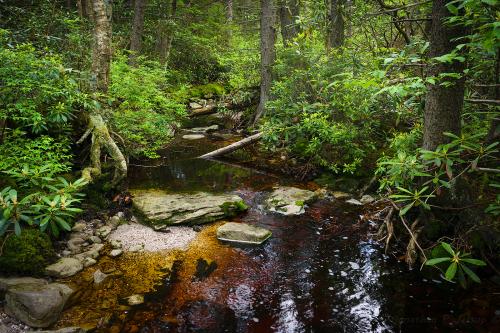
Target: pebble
{"type": "Point", "coordinates": [136, 248]}
{"type": "Point", "coordinates": [116, 244]}
{"type": "Point", "coordinates": [135, 299]}
{"type": "Point", "coordinates": [95, 240]}
{"type": "Point", "coordinates": [116, 252]}
{"type": "Point", "coordinates": [79, 226]}
{"type": "Point", "coordinates": [104, 231]}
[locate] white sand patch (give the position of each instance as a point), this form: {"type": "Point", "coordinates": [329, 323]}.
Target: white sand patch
{"type": "Point", "coordinates": [134, 234]}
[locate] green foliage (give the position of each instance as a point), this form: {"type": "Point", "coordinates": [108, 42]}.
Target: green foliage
{"type": "Point", "coordinates": [209, 90]}
{"type": "Point", "coordinates": [27, 253]}
{"type": "Point", "coordinates": [458, 264]}
{"type": "Point", "coordinates": [145, 115]}
{"type": "Point", "coordinates": [50, 203]}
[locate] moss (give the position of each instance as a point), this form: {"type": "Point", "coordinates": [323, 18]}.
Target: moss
{"type": "Point", "coordinates": [207, 90]}
{"type": "Point", "coordinates": [231, 209]}
{"type": "Point", "coordinates": [27, 254]}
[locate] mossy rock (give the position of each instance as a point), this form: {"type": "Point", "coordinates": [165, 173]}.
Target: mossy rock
{"type": "Point", "coordinates": [207, 90]}
{"type": "Point", "coordinates": [26, 254]}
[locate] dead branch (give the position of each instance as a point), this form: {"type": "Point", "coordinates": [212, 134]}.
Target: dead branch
{"type": "Point", "coordinates": [232, 147]}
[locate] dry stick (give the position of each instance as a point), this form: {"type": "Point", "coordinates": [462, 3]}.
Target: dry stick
{"type": "Point", "coordinates": [232, 147]}
{"type": "Point", "coordinates": [483, 101]}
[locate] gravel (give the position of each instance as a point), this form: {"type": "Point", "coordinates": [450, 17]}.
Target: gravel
{"type": "Point", "coordinates": [133, 235]}
{"type": "Point", "coordinates": [11, 325]}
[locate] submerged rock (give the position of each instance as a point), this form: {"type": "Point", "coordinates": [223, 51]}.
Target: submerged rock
{"type": "Point", "coordinates": [289, 200]}
{"type": "Point", "coordinates": [65, 267]}
{"type": "Point", "coordinates": [242, 233]}
{"type": "Point", "coordinates": [37, 305]}
{"type": "Point", "coordinates": [162, 209]}
{"type": "Point", "coordinates": [135, 299]}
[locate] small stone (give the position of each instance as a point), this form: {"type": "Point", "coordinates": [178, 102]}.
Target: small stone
{"type": "Point", "coordinates": [87, 262]}
{"type": "Point", "coordinates": [193, 136]}
{"type": "Point", "coordinates": [367, 199]}
{"type": "Point", "coordinates": [195, 106]}
{"type": "Point", "coordinates": [116, 244]}
{"type": "Point", "coordinates": [134, 219]}
{"type": "Point", "coordinates": [65, 267]}
{"type": "Point", "coordinates": [96, 223]}
{"type": "Point", "coordinates": [340, 195]}
{"type": "Point", "coordinates": [79, 226]}
{"type": "Point", "coordinates": [66, 253]}
{"type": "Point", "coordinates": [104, 231]}
{"type": "Point", "coordinates": [114, 221]}
{"type": "Point", "coordinates": [135, 299]}
{"type": "Point", "coordinates": [115, 253]}
{"type": "Point", "coordinates": [354, 202]}
{"type": "Point", "coordinates": [95, 240]}
{"type": "Point", "coordinates": [75, 244]}
{"type": "Point", "coordinates": [100, 277]}
{"type": "Point", "coordinates": [121, 215]}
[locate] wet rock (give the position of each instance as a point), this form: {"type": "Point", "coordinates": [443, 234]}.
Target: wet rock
{"type": "Point", "coordinates": [87, 262]}
{"type": "Point", "coordinates": [93, 252]}
{"type": "Point", "coordinates": [115, 253]}
{"type": "Point", "coordinates": [104, 231]}
{"type": "Point", "coordinates": [367, 199]}
{"type": "Point", "coordinates": [202, 130]}
{"type": "Point", "coordinates": [64, 330]}
{"type": "Point", "coordinates": [161, 208]}
{"type": "Point", "coordinates": [79, 226]}
{"type": "Point", "coordinates": [6, 283]}
{"type": "Point", "coordinates": [195, 106]}
{"type": "Point", "coordinates": [135, 300]}
{"type": "Point", "coordinates": [95, 240]}
{"type": "Point", "coordinates": [340, 195]}
{"type": "Point", "coordinates": [136, 248]}
{"type": "Point", "coordinates": [37, 305]}
{"type": "Point", "coordinates": [207, 317]}
{"type": "Point", "coordinates": [242, 233]}
{"type": "Point", "coordinates": [193, 136]}
{"type": "Point", "coordinates": [75, 244]}
{"type": "Point", "coordinates": [289, 200]}
{"type": "Point", "coordinates": [65, 267]}
{"type": "Point", "coordinates": [354, 202]}
{"type": "Point", "coordinates": [116, 244]}
{"type": "Point", "coordinates": [100, 277]}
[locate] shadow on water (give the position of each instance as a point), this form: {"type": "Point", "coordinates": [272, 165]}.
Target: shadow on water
{"type": "Point", "coordinates": [319, 272]}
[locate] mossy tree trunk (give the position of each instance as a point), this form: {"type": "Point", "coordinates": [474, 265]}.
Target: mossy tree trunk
{"type": "Point", "coordinates": [101, 63]}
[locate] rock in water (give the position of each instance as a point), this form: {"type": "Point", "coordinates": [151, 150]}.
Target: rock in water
{"type": "Point", "coordinates": [37, 305]}
{"type": "Point", "coordinates": [65, 267]}
{"type": "Point", "coordinates": [289, 200]}
{"type": "Point", "coordinates": [242, 233]}
{"type": "Point", "coordinates": [162, 209]}
{"type": "Point", "coordinates": [193, 136]}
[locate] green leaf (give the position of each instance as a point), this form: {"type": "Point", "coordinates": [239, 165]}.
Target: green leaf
{"type": "Point", "coordinates": [476, 262]}
{"type": "Point", "coordinates": [435, 261]}
{"type": "Point", "coordinates": [448, 248]}
{"type": "Point", "coordinates": [405, 209]}
{"type": "Point", "coordinates": [451, 271]}
{"type": "Point", "coordinates": [471, 274]}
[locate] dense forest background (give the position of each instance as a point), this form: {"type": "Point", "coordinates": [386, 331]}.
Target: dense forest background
{"type": "Point", "coordinates": [405, 93]}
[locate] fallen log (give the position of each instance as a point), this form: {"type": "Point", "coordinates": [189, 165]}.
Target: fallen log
{"type": "Point", "coordinates": [208, 109]}
{"type": "Point", "coordinates": [234, 146]}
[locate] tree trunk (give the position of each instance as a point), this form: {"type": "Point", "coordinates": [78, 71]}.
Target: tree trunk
{"type": "Point", "coordinates": [166, 32]}
{"type": "Point", "coordinates": [137, 29]}
{"type": "Point", "coordinates": [443, 104]}
{"type": "Point", "coordinates": [267, 54]}
{"type": "Point", "coordinates": [101, 62]}
{"type": "Point", "coordinates": [288, 20]}
{"type": "Point", "coordinates": [234, 146]}
{"type": "Point", "coordinates": [335, 34]}
{"type": "Point", "coordinates": [229, 11]}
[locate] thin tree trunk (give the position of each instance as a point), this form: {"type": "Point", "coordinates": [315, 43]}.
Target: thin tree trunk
{"type": "Point", "coordinates": [267, 54]}
{"type": "Point", "coordinates": [234, 146]}
{"type": "Point", "coordinates": [101, 62]}
{"type": "Point", "coordinates": [166, 33]}
{"type": "Point", "coordinates": [287, 21]}
{"type": "Point", "coordinates": [443, 104]}
{"type": "Point", "coordinates": [229, 11]}
{"type": "Point", "coordinates": [137, 29]}
{"type": "Point", "coordinates": [336, 25]}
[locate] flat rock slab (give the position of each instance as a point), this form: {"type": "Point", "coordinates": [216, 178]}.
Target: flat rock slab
{"type": "Point", "coordinates": [65, 267]}
{"type": "Point", "coordinates": [161, 208]}
{"type": "Point", "coordinates": [242, 233]}
{"type": "Point", "coordinates": [134, 235]}
{"type": "Point", "coordinates": [193, 136]}
{"type": "Point", "coordinates": [289, 200]}
{"type": "Point", "coordinates": [202, 130]}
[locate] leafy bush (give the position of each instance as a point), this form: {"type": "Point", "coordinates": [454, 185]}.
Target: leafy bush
{"type": "Point", "coordinates": [145, 115]}
{"type": "Point", "coordinates": [27, 253]}
{"type": "Point", "coordinates": [49, 204]}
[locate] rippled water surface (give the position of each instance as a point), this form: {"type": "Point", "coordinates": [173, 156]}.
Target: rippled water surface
{"type": "Point", "coordinates": [319, 272]}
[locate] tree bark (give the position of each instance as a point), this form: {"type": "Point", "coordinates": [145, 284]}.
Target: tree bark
{"type": "Point", "coordinates": [443, 104]}
{"type": "Point", "coordinates": [234, 146]}
{"type": "Point", "coordinates": [267, 54]}
{"type": "Point", "coordinates": [101, 62]}
{"type": "Point", "coordinates": [229, 11]}
{"type": "Point", "coordinates": [137, 29]}
{"type": "Point", "coordinates": [288, 12]}
{"type": "Point", "coordinates": [336, 25]}
{"type": "Point", "coordinates": [166, 32]}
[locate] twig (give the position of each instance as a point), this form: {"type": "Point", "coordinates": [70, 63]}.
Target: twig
{"type": "Point", "coordinates": [483, 101]}
{"type": "Point", "coordinates": [85, 135]}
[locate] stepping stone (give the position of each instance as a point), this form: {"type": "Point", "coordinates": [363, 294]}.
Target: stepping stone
{"type": "Point", "coordinates": [242, 233]}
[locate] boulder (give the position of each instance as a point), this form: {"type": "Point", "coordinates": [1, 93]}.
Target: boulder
{"type": "Point", "coordinates": [64, 267]}
{"type": "Point", "coordinates": [6, 283]}
{"type": "Point", "coordinates": [289, 200]}
{"type": "Point", "coordinates": [162, 209]}
{"type": "Point", "coordinates": [242, 233]}
{"type": "Point", "coordinates": [37, 305]}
